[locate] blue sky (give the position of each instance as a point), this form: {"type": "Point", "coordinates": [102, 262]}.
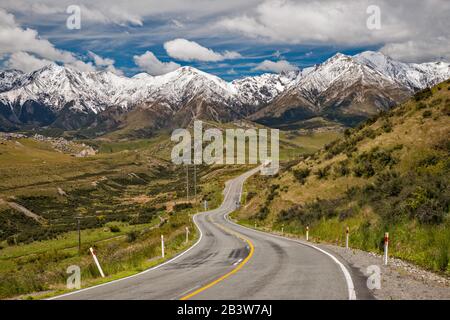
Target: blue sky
{"type": "Point", "coordinates": [231, 38]}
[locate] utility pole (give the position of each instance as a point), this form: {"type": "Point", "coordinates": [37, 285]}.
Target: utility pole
{"type": "Point", "coordinates": [79, 233]}
{"type": "Point", "coordinates": [187, 182]}
{"type": "Point", "coordinates": [195, 183]}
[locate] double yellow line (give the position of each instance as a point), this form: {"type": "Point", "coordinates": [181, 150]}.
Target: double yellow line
{"type": "Point", "coordinates": [238, 267]}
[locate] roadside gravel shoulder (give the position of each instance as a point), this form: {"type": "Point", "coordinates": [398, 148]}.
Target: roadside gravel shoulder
{"type": "Point", "coordinates": [400, 280]}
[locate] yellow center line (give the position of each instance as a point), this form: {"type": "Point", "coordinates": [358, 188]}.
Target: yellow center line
{"type": "Point", "coordinates": [238, 267]}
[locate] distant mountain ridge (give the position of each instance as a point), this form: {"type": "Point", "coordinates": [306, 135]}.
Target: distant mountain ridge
{"type": "Point", "coordinates": [343, 89]}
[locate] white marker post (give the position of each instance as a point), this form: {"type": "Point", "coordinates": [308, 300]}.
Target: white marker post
{"type": "Point", "coordinates": [347, 231]}
{"type": "Point", "coordinates": [162, 246]}
{"type": "Point", "coordinates": [96, 262]}
{"type": "Point", "coordinates": [187, 235]}
{"type": "Point", "coordinates": [386, 246]}
{"type": "Point", "coordinates": [307, 233]}
{"type": "Point", "coordinates": [282, 230]}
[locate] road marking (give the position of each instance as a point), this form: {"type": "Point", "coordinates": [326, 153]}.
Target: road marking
{"type": "Point", "coordinates": [238, 267]}
{"type": "Point", "coordinates": [237, 262]}
{"type": "Point", "coordinates": [347, 276]}
{"type": "Point", "coordinates": [182, 253]}
{"type": "Point", "coordinates": [187, 291]}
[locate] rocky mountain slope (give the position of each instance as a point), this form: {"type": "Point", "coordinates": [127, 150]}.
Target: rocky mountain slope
{"type": "Point", "coordinates": [349, 89]}
{"type": "Point", "coordinates": [344, 89]}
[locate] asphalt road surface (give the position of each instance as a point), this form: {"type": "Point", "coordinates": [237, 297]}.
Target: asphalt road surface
{"type": "Point", "coordinates": [233, 262]}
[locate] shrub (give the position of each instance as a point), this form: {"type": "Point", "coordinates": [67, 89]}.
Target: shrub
{"type": "Point", "coordinates": [250, 196]}
{"type": "Point", "coordinates": [446, 109]}
{"type": "Point", "coordinates": [363, 169]}
{"type": "Point", "coordinates": [368, 163]}
{"type": "Point", "coordinates": [421, 106]}
{"type": "Point", "coordinates": [273, 192]}
{"type": "Point", "coordinates": [341, 169]}
{"type": "Point", "coordinates": [387, 126]}
{"type": "Point", "coordinates": [443, 144]}
{"type": "Point", "coordinates": [369, 133]}
{"type": "Point", "coordinates": [132, 236]}
{"type": "Point", "coordinates": [423, 94]}
{"type": "Point", "coordinates": [429, 212]}
{"type": "Point", "coordinates": [311, 212]}
{"type": "Point", "coordinates": [436, 102]}
{"type": "Point", "coordinates": [302, 174]}
{"type": "Point", "coordinates": [263, 213]}
{"type": "Point", "coordinates": [427, 114]}
{"type": "Point", "coordinates": [322, 173]}
{"type": "Point", "coordinates": [347, 132]}
{"type": "Point", "coordinates": [114, 228]}
{"type": "Point", "coordinates": [182, 206]}
{"type": "Point", "coordinates": [389, 183]}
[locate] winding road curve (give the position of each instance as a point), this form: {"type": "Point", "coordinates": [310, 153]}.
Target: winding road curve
{"type": "Point", "coordinates": [233, 262]}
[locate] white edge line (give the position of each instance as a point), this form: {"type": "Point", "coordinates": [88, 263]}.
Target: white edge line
{"type": "Point", "coordinates": [348, 278]}
{"type": "Point", "coordinates": [140, 273]}
{"type": "Point", "coordinates": [158, 266]}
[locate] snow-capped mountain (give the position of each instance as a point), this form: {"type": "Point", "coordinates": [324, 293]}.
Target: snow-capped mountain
{"type": "Point", "coordinates": [259, 90]}
{"type": "Point", "coordinates": [348, 89]}
{"type": "Point", "coordinates": [341, 86]}
{"type": "Point", "coordinates": [411, 75]}
{"type": "Point", "coordinates": [9, 79]}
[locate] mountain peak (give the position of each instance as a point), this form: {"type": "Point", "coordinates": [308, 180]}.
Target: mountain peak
{"type": "Point", "coordinates": [55, 87]}
{"type": "Point", "coordinates": [50, 67]}
{"type": "Point", "coordinates": [338, 56]}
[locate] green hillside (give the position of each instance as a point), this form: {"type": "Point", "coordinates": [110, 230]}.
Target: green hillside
{"type": "Point", "coordinates": [391, 173]}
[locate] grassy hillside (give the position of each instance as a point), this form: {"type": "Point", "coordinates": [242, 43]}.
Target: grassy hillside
{"type": "Point", "coordinates": [391, 173]}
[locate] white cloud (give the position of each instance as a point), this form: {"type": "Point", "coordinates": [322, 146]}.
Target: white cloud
{"type": "Point", "coordinates": [152, 65]}
{"type": "Point", "coordinates": [104, 63]}
{"type": "Point", "coordinates": [419, 51]}
{"type": "Point", "coordinates": [334, 21]}
{"type": "Point", "coordinates": [418, 25]}
{"type": "Point", "coordinates": [26, 62]}
{"type": "Point", "coordinates": [14, 39]}
{"type": "Point", "coordinates": [278, 66]}
{"type": "Point", "coordinates": [99, 61]}
{"type": "Point", "coordinates": [186, 50]}
{"type": "Point", "coordinates": [131, 12]}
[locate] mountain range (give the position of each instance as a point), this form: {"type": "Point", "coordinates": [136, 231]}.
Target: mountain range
{"type": "Point", "coordinates": [343, 89]}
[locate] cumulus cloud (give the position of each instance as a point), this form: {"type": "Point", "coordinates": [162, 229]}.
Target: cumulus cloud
{"type": "Point", "coordinates": [276, 66]}
{"type": "Point", "coordinates": [104, 63]}
{"type": "Point", "coordinates": [132, 12]}
{"type": "Point", "coordinates": [186, 50]}
{"type": "Point", "coordinates": [25, 62]}
{"type": "Point", "coordinates": [152, 65]}
{"type": "Point", "coordinates": [419, 51]}
{"type": "Point", "coordinates": [414, 24]}
{"type": "Point", "coordinates": [14, 39]}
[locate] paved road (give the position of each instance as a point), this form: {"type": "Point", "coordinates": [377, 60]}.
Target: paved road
{"type": "Point", "coordinates": [233, 262]}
